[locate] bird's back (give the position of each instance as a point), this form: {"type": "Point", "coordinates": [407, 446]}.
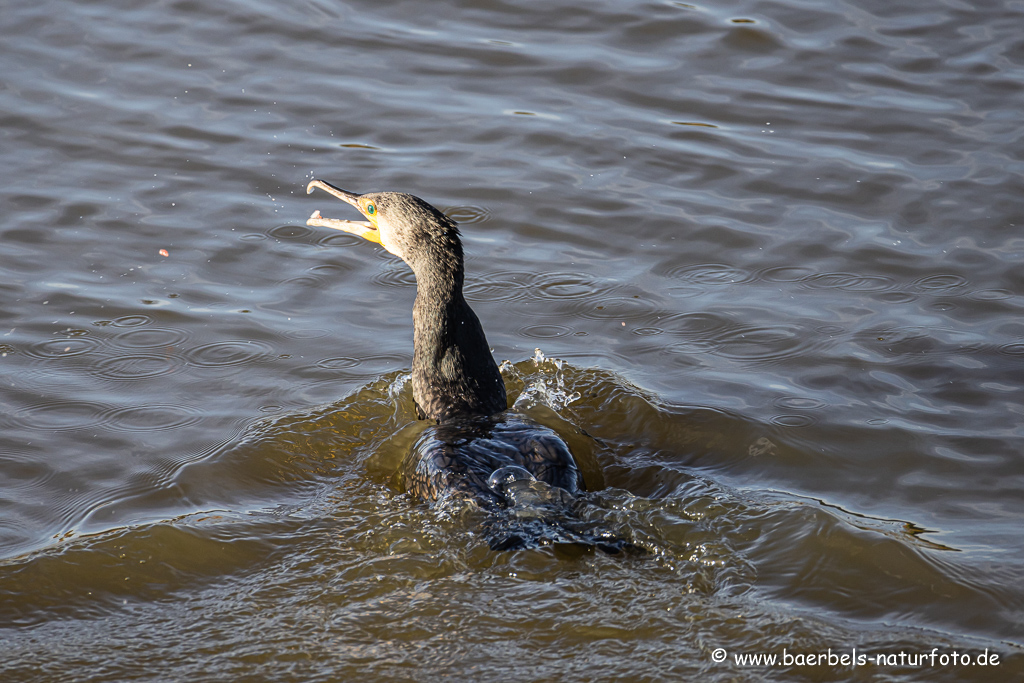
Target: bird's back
{"type": "Point", "coordinates": [458, 457]}
{"type": "Point", "coordinates": [522, 473]}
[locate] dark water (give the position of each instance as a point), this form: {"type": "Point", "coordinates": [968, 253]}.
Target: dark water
{"type": "Point", "coordinates": [775, 246]}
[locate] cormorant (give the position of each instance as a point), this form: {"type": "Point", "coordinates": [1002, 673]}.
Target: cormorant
{"type": "Point", "coordinates": [476, 450]}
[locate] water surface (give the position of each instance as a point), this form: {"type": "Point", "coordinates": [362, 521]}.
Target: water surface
{"type": "Point", "coordinates": [770, 252]}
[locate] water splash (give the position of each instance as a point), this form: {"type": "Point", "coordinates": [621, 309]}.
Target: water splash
{"type": "Point", "coordinates": [396, 386]}
{"type": "Point", "coordinates": [546, 386]}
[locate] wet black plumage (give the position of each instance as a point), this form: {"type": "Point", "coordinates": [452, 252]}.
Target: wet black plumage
{"type": "Point", "coordinates": [521, 471]}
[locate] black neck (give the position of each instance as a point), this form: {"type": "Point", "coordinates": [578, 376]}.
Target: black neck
{"type": "Point", "coordinates": [454, 373]}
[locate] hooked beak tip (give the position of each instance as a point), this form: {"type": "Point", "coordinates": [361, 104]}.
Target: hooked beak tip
{"type": "Point", "coordinates": [344, 195]}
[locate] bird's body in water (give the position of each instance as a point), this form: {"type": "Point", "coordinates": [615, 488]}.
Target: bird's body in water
{"type": "Point", "coordinates": [476, 451]}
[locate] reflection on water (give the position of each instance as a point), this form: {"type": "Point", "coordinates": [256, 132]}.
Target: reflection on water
{"type": "Point", "coordinates": [777, 247]}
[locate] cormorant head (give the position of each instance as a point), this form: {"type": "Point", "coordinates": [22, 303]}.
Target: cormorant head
{"type": "Point", "coordinates": [403, 224]}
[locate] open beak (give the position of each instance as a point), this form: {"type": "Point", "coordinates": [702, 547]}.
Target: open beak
{"type": "Point", "coordinates": [364, 229]}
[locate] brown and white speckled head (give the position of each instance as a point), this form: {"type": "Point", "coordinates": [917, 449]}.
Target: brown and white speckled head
{"type": "Point", "coordinates": [453, 371]}
{"type": "Point", "coordinates": [402, 223]}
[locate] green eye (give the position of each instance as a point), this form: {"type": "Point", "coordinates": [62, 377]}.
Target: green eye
{"type": "Point", "coordinates": [370, 209]}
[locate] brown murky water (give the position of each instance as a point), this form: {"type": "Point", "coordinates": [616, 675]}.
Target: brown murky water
{"type": "Point", "coordinates": [770, 251]}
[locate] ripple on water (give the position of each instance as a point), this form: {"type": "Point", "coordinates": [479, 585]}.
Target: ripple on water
{"type": "Point", "coordinates": [710, 274]}
{"type": "Point", "coordinates": [132, 321]}
{"type": "Point", "coordinates": [310, 333]}
{"type": "Point", "coordinates": [990, 294]}
{"type": "Point", "coordinates": [136, 366]}
{"type": "Point", "coordinates": [799, 403]}
{"type": "Point", "coordinates": [848, 282]}
{"type": "Point", "coordinates": [229, 353]}
{"type": "Point", "coordinates": [616, 308]}
{"type": "Point", "coordinates": [291, 233]}
{"type": "Point", "coordinates": [367, 366]}
{"type": "Point", "coordinates": [468, 214]}
{"type": "Point", "coordinates": [570, 295]}
{"type": "Point", "coordinates": [62, 348]}
{"type": "Point", "coordinates": [337, 238]}
{"type": "Point", "coordinates": [338, 363]}
{"type": "Point", "coordinates": [150, 338]}
{"type": "Point", "coordinates": [395, 276]}
{"type": "Point", "coordinates": [697, 325]}
{"type": "Point", "coordinates": [684, 291]}
{"type": "Point", "coordinates": [1015, 349]}
{"type": "Point", "coordinates": [150, 418]}
{"type": "Point", "coordinates": [329, 270]}
{"type": "Point", "coordinates": [59, 415]}
{"type": "Point", "coordinates": [545, 331]}
{"type": "Point", "coordinates": [896, 297]}
{"type": "Point", "coordinates": [574, 286]}
{"type": "Point", "coordinates": [939, 284]}
{"type": "Point", "coordinates": [793, 420]}
{"type": "Point", "coordinates": [784, 274]}
{"type": "Point", "coordinates": [765, 344]}
{"type": "Point", "coordinates": [693, 346]}
{"type": "Point", "coordinates": [305, 281]}
{"type": "Point", "coordinates": [505, 285]}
